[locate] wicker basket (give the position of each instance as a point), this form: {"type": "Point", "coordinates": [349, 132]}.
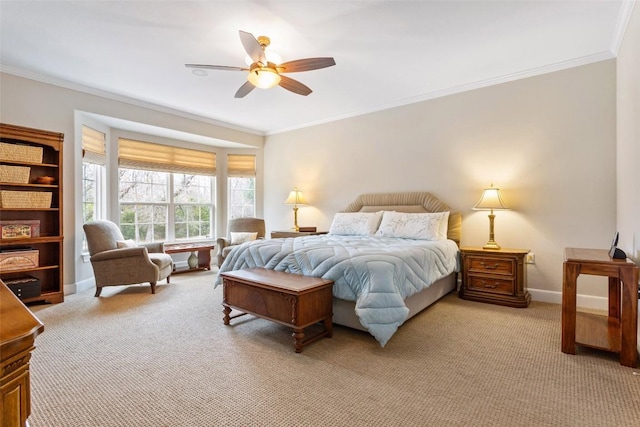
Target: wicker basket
{"type": "Point", "coordinates": [25, 199]}
{"type": "Point", "coordinates": [20, 153]}
{"type": "Point", "coordinates": [14, 174]}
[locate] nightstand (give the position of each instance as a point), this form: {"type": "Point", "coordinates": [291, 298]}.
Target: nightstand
{"type": "Point", "coordinates": [495, 276]}
{"type": "Point", "coordinates": [279, 234]}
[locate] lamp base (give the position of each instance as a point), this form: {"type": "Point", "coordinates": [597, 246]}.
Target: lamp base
{"type": "Point", "coordinates": [491, 245]}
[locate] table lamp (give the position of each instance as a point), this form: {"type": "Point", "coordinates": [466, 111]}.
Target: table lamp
{"type": "Point", "coordinates": [295, 198]}
{"type": "Point", "coordinates": [491, 200]}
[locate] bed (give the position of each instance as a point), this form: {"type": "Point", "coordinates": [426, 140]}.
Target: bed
{"type": "Point", "coordinates": [386, 265]}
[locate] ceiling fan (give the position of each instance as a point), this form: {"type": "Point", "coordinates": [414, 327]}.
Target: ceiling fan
{"type": "Point", "coordinates": [264, 73]}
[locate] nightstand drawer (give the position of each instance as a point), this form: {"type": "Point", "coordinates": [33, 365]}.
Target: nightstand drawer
{"type": "Point", "coordinates": [487, 265]}
{"type": "Point", "coordinates": [492, 284]}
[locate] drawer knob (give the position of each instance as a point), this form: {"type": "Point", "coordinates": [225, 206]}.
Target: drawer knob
{"type": "Point", "coordinates": [489, 285]}
{"type": "Point", "coordinates": [489, 267]}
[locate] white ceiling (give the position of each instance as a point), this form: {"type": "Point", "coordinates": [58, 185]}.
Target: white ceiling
{"type": "Point", "coordinates": [387, 53]}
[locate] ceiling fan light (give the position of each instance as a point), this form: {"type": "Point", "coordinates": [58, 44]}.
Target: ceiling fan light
{"type": "Point", "coordinates": [264, 78]}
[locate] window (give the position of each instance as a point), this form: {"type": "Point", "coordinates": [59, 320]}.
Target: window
{"type": "Point", "coordinates": [144, 204]}
{"type": "Point", "coordinates": [166, 192]}
{"type": "Point", "coordinates": [90, 183]}
{"type": "Point", "coordinates": [192, 206]}
{"type": "Point", "coordinates": [93, 176]}
{"type": "Point", "coordinates": [242, 185]}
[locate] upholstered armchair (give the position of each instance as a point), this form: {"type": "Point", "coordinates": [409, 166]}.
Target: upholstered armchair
{"type": "Point", "coordinates": [237, 229]}
{"type": "Point", "coordinates": [117, 261]}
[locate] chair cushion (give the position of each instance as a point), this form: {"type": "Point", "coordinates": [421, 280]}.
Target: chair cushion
{"type": "Point", "coordinates": [238, 237]}
{"type": "Point", "coordinates": [125, 244]}
{"type": "Point", "coordinates": [162, 260]}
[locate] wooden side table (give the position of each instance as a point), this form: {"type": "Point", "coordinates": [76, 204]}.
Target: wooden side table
{"type": "Point", "coordinates": [495, 276]}
{"type": "Point", "coordinates": [201, 261]}
{"type": "Point", "coordinates": [280, 234]}
{"type": "Point", "coordinates": [616, 332]}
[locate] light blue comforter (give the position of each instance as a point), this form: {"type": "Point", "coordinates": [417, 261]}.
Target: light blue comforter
{"type": "Point", "coordinates": [378, 273]}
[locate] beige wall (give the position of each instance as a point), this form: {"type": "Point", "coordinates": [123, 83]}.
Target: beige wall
{"type": "Point", "coordinates": [549, 142]}
{"type": "Point", "coordinates": [628, 107]}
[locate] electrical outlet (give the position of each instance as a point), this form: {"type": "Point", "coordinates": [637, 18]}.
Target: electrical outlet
{"type": "Point", "coordinates": [530, 258]}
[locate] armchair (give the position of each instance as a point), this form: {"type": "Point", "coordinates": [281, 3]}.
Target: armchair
{"type": "Point", "coordinates": [116, 262]}
{"type": "Point", "coordinates": [224, 245]}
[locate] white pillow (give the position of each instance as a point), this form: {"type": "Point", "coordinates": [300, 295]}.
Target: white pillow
{"type": "Point", "coordinates": [419, 226]}
{"type": "Point", "coordinates": [241, 237]}
{"type": "Point", "coordinates": [126, 244]}
{"type": "Point", "coordinates": [355, 223]}
{"type": "Point", "coordinates": [443, 230]}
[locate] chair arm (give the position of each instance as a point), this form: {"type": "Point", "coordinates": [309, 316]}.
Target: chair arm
{"type": "Point", "coordinates": [139, 251]}
{"type": "Point", "coordinates": [222, 242]}
{"type": "Point", "coordinates": [154, 247]}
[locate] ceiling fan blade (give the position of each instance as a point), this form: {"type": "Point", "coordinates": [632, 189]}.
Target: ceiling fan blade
{"type": "Point", "coordinates": [244, 89]}
{"type": "Point", "coordinates": [253, 48]}
{"type": "Point", "coordinates": [294, 86]}
{"type": "Point", "coordinates": [216, 67]}
{"type": "Point", "coordinates": [307, 64]}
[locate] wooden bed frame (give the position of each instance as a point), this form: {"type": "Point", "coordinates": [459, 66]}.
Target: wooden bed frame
{"type": "Point", "coordinates": [414, 202]}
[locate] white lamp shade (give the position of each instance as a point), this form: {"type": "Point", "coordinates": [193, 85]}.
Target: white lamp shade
{"type": "Point", "coordinates": [295, 198]}
{"type": "Point", "coordinates": [491, 200]}
{"type": "Point", "coordinates": [264, 78]}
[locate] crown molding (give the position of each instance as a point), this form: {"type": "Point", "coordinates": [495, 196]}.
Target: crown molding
{"type": "Point", "coordinates": [621, 26]}
{"type": "Point", "coordinates": [558, 66]}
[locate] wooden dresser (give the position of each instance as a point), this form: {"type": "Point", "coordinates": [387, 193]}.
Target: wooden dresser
{"type": "Point", "coordinates": [495, 276]}
{"type": "Point", "coordinates": [18, 331]}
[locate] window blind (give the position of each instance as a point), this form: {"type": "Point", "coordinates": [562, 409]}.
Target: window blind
{"type": "Point", "coordinates": [94, 146]}
{"type": "Point", "coordinates": [241, 165]}
{"type": "Point", "coordinates": [164, 158]}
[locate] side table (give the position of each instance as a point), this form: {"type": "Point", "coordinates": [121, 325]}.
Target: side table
{"type": "Point", "coordinates": [616, 332]}
{"type": "Point", "coordinates": [200, 258]}
{"type": "Point", "coordinates": [495, 276]}
{"type": "Point", "coordinates": [280, 234]}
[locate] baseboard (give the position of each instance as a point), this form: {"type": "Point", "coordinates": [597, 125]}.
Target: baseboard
{"type": "Point", "coordinates": [79, 286]}
{"type": "Point", "coordinates": [584, 301]}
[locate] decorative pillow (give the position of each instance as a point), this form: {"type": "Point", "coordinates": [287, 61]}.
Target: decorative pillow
{"type": "Point", "coordinates": [242, 237]}
{"type": "Point", "coordinates": [443, 230]}
{"type": "Point", "coordinates": [126, 244]}
{"type": "Point", "coordinates": [419, 226]}
{"type": "Point", "coordinates": [355, 223]}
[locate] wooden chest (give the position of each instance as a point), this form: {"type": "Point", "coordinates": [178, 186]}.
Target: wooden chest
{"type": "Point", "coordinates": [289, 299]}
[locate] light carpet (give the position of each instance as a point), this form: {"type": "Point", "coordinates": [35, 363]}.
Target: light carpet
{"type": "Point", "coordinates": [130, 358]}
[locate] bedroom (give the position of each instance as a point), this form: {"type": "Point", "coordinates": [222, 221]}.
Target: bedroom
{"type": "Point", "coordinates": [551, 142]}
{"type": "Point", "coordinates": [561, 145]}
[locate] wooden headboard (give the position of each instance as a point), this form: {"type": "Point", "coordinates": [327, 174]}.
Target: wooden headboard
{"type": "Point", "coordinates": [414, 202]}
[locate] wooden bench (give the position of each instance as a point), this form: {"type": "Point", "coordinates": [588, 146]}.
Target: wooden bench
{"type": "Point", "coordinates": [289, 299]}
